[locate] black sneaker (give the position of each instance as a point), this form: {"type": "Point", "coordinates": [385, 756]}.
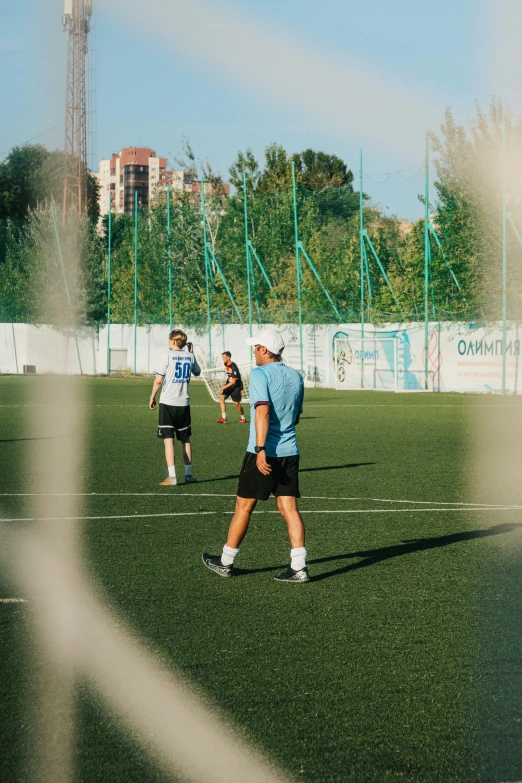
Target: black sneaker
{"type": "Point", "coordinates": [293, 576]}
{"type": "Point", "coordinates": [214, 563]}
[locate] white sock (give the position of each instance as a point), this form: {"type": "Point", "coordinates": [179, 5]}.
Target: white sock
{"type": "Point", "coordinates": [242, 416]}
{"type": "Point", "coordinates": [227, 558]}
{"type": "Point", "coordinates": [188, 470]}
{"type": "Point", "coordinates": [298, 556]}
{"type": "Point", "coordinates": [172, 471]}
{"type": "Point", "coordinates": [224, 416]}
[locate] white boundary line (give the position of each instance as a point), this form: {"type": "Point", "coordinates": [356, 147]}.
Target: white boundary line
{"type": "Point", "coordinates": [420, 502]}
{"type": "Point", "coordinates": [214, 513]}
{"type": "Point", "coordinates": [167, 494]}
{"type": "Point", "coordinates": [171, 495]}
{"type": "Point", "coordinates": [309, 405]}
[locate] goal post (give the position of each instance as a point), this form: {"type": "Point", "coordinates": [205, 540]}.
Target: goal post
{"type": "Point", "coordinates": [216, 378]}
{"type": "Point", "coordinates": [379, 364]}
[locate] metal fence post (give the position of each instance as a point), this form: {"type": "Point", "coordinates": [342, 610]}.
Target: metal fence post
{"type": "Point", "coordinates": [207, 263]}
{"type": "Point", "coordinates": [135, 275]}
{"type": "Point", "coordinates": [169, 256]}
{"type": "Point", "coordinates": [504, 256]}
{"type": "Point", "coordinates": [363, 258]}
{"type": "Point", "coordinates": [248, 259]}
{"type": "Point", "coordinates": [298, 269]}
{"type": "Point", "coordinates": [109, 251]}
{"type": "Point", "coordinates": [426, 260]}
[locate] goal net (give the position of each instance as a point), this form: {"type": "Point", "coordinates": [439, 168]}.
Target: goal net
{"type": "Point", "coordinates": [381, 364]}
{"type": "Point", "coordinates": [216, 378]}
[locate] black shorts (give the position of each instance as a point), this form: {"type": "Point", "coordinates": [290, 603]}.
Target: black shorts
{"type": "Point", "coordinates": [282, 481]}
{"type": "Point", "coordinates": [233, 393]}
{"type": "Point", "coordinates": [174, 419]}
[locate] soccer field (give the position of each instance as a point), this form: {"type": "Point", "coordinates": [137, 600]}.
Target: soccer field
{"type": "Point", "coordinates": [400, 660]}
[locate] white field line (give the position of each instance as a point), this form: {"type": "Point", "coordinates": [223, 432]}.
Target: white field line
{"type": "Point", "coordinates": [171, 495]}
{"type": "Point", "coordinates": [310, 405]}
{"type": "Point", "coordinates": [214, 513]}
{"type": "Point", "coordinates": [409, 405]}
{"type": "Point", "coordinates": [13, 601]}
{"type": "Point", "coordinates": [168, 494]}
{"type": "Point", "coordinates": [419, 502]}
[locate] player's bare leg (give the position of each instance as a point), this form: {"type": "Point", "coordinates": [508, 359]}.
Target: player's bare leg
{"type": "Point", "coordinates": [170, 481]}
{"type": "Point", "coordinates": [169, 452]}
{"type": "Point", "coordinates": [236, 533]}
{"type": "Point", "coordinates": [240, 521]}
{"type": "Point", "coordinates": [241, 412]}
{"type": "Point", "coordinates": [187, 453]}
{"type": "Point", "coordinates": [287, 507]}
{"type": "Point", "coordinates": [297, 572]}
{"type": "Point", "coordinates": [187, 459]}
{"type": "Point", "coordinates": [223, 419]}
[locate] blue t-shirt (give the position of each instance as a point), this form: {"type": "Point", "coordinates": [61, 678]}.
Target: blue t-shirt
{"type": "Point", "coordinates": [282, 388]}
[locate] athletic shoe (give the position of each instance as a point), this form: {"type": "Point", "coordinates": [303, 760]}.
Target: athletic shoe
{"type": "Point", "coordinates": [242, 421]}
{"type": "Point", "coordinates": [221, 421]}
{"type": "Point", "coordinates": [190, 480]}
{"type": "Point", "coordinates": [214, 563]}
{"type": "Point", "coordinates": [293, 576]}
{"type": "Point", "coordinates": [170, 481]}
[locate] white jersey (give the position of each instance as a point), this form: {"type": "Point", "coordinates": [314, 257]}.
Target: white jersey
{"type": "Point", "coordinates": [176, 367]}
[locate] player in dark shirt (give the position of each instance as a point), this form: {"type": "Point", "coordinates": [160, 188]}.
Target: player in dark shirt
{"type": "Point", "coordinates": [233, 389]}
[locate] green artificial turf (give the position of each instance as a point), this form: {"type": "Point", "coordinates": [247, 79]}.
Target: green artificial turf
{"type": "Point", "coordinates": [400, 660]}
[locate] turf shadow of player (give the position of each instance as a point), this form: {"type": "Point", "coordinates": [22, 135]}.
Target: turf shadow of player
{"type": "Point", "coordinates": [374, 556]}
{"type": "Point", "coordinates": [301, 470]}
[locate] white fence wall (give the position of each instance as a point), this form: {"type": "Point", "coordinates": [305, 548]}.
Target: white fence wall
{"type": "Point", "coordinates": [461, 357]}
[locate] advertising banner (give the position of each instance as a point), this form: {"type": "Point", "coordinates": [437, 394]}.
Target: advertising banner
{"type": "Point", "coordinates": [461, 357]}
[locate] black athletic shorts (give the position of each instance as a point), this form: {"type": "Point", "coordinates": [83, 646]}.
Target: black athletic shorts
{"type": "Point", "coordinates": [282, 481]}
{"type": "Point", "coordinates": [174, 419]}
{"type": "Point", "coordinates": [233, 393]}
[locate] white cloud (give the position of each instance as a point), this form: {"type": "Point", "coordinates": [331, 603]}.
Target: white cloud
{"type": "Point", "coordinates": [341, 96]}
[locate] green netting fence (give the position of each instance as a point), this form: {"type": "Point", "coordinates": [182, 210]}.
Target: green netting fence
{"type": "Point", "coordinates": [290, 255]}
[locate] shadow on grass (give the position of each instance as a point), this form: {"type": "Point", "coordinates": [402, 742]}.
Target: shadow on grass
{"type": "Point", "coordinates": [18, 440]}
{"type": "Point", "coordinates": [371, 557]}
{"type": "Point", "coordinates": [301, 470]}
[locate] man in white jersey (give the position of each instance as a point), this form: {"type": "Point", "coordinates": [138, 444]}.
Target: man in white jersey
{"type": "Point", "coordinates": [173, 374]}
{"type": "Point", "coordinates": [271, 463]}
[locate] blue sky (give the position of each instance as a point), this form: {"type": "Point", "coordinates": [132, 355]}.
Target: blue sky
{"type": "Point", "coordinates": [157, 78]}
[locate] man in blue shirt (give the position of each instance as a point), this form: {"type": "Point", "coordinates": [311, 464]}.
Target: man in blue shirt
{"type": "Point", "coordinates": [271, 463]}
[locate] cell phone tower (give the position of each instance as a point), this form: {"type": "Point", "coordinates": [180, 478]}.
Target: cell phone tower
{"type": "Point", "coordinates": [76, 23]}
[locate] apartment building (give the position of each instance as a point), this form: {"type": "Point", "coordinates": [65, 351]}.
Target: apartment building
{"type": "Point", "coordinates": [136, 170]}
{"type": "Point", "coordinates": [139, 170]}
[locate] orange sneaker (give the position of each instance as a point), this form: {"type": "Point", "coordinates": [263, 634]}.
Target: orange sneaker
{"type": "Point", "coordinates": [242, 421]}
{"type": "Point", "coordinates": [221, 421]}
{"type": "Point", "coordinates": [170, 481]}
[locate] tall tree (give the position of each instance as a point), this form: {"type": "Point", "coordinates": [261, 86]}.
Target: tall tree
{"type": "Point", "coordinates": [468, 213]}
{"type": "Point", "coordinates": [18, 191]}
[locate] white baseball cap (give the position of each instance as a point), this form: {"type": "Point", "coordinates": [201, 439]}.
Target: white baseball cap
{"type": "Point", "coordinates": [271, 340]}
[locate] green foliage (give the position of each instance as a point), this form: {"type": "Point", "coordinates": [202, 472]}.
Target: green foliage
{"type": "Point", "coordinates": [467, 216]}
{"type": "Point", "coordinates": [19, 186]}
{"type": "Point", "coordinates": [30, 176]}
{"type": "Point", "coordinates": [32, 286]}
